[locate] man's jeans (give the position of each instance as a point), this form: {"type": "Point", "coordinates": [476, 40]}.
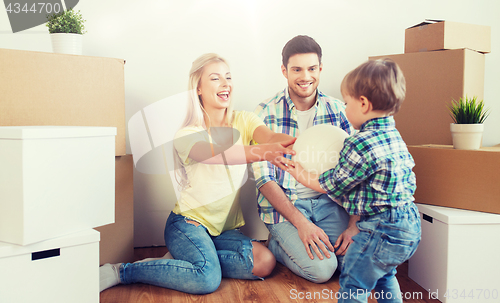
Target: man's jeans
{"type": "Point", "coordinates": [385, 241]}
{"type": "Point", "coordinates": [200, 259]}
{"type": "Point", "coordinates": [287, 246]}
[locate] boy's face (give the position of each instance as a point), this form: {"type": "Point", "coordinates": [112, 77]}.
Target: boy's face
{"type": "Point", "coordinates": [353, 111]}
{"type": "Point", "coordinates": [302, 73]}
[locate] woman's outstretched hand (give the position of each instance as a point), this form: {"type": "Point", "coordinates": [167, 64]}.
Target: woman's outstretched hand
{"type": "Point", "coordinates": [274, 152]}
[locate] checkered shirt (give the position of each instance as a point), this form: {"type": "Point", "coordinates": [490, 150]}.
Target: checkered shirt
{"type": "Point", "coordinates": [374, 171]}
{"type": "Point", "coordinates": [280, 115]}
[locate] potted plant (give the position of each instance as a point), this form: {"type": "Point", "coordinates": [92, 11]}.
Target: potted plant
{"type": "Point", "coordinates": [66, 29]}
{"type": "Point", "coordinates": [468, 117]}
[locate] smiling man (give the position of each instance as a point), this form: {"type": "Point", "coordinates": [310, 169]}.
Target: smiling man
{"type": "Point", "coordinates": [303, 224]}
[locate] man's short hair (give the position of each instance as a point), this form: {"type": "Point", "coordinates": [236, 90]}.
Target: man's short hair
{"type": "Point", "coordinates": [300, 45]}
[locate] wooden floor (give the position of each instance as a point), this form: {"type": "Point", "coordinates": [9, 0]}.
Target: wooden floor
{"type": "Point", "coordinates": [281, 286]}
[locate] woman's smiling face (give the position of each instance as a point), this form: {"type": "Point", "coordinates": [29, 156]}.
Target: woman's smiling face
{"type": "Point", "coordinates": [215, 86]}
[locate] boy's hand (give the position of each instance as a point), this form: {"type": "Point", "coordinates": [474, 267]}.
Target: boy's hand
{"type": "Point", "coordinates": [292, 167]}
{"type": "Point", "coordinates": [301, 175]}
{"type": "Point", "coordinates": [345, 238]}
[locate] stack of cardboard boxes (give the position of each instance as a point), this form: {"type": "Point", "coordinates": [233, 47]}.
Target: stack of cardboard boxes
{"type": "Point", "coordinates": [443, 61]}
{"type": "Point", "coordinates": [63, 173]}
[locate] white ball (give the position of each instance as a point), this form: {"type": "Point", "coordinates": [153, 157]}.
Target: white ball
{"type": "Point", "coordinates": [318, 147]}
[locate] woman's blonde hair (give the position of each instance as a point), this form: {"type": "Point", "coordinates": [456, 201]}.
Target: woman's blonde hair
{"type": "Point", "coordinates": [196, 112]}
{"type": "Point", "coordinates": [381, 81]}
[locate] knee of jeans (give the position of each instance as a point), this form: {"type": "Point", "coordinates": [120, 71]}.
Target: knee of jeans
{"type": "Point", "coordinates": [208, 283]}
{"type": "Point", "coordinates": [321, 272]}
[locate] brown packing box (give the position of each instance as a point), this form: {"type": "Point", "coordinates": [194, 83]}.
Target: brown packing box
{"type": "Point", "coordinates": [433, 79]}
{"type": "Point", "coordinates": [466, 179]}
{"type": "Point", "coordinates": [117, 239]}
{"type": "Point", "coordinates": [438, 35]}
{"type": "Point", "coordinates": [39, 88]}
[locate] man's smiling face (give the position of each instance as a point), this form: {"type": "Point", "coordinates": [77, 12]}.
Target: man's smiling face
{"type": "Point", "coordinates": [302, 73]}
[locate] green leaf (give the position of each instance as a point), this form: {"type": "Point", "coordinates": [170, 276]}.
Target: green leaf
{"type": "Point", "coordinates": [468, 111]}
{"type": "Point", "coordinates": [66, 22]}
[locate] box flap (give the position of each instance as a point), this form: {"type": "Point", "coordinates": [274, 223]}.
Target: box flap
{"type": "Point", "coordinates": [426, 22]}
{"type": "Point", "coordinates": [79, 238]}
{"type": "Point", "coordinates": [457, 216]}
{"type": "Point", "coordinates": [45, 132]}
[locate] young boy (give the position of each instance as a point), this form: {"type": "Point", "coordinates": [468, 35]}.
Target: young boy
{"type": "Point", "coordinates": [374, 182]}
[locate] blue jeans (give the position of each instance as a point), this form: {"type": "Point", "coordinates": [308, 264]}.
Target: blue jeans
{"type": "Point", "coordinates": [287, 246]}
{"type": "Point", "coordinates": [385, 240]}
{"type": "Point", "coordinates": [200, 260]}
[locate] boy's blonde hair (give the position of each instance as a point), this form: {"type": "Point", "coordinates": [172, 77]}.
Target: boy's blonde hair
{"type": "Point", "coordinates": [380, 81]}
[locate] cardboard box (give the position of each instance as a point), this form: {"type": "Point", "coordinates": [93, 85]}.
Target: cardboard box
{"type": "Point", "coordinates": [433, 79]}
{"type": "Point", "coordinates": [39, 88]}
{"type": "Point", "coordinates": [466, 179]}
{"type": "Point", "coordinates": [439, 35]}
{"type": "Point", "coordinates": [117, 239]}
{"type": "Point", "coordinates": [55, 180]}
{"type": "Point", "coordinates": [60, 270]}
{"type": "Point", "coordinates": [457, 258]}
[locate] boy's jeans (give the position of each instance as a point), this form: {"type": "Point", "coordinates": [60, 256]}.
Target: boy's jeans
{"type": "Point", "coordinates": [287, 246]}
{"type": "Point", "coordinates": [200, 259]}
{"type": "Point", "coordinates": [385, 241]}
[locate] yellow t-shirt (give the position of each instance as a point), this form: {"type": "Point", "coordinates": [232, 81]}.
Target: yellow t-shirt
{"type": "Point", "coordinates": [212, 196]}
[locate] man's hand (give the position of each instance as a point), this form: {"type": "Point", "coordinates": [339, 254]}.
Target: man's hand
{"type": "Point", "coordinates": [313, 237]}
{"type": "Point", "coordinates": [345, 238]}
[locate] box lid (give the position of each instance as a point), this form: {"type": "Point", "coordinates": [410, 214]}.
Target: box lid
{"type": "Point", "coordinates": [432, 35]}
{"type": "Point", "coordinates": [426, 22]}
{"type": "Point", "coordinates": [452, 216]}
{"type": "Point", "coordinates": [45, 132]}
{"type": "Point", "coordinates": [78, 238]}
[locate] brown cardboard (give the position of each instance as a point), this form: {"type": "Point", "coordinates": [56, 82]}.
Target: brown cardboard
{"type": "Point", "coordinates": [465, 179]}
{"type": "Point", "coordinates": [117, 239]}
{"type": "Point", "coordinates": [440, 35]}
{"type": "Point", "coordinates": [39, 88]}
{"type": "Point", "coordinates": [433, 79]}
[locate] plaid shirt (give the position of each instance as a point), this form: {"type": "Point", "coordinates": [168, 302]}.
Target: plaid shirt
{"type": "Point", "coordinates": [280, 115]}
{"type": "Point", "coordinates": [374, 171]}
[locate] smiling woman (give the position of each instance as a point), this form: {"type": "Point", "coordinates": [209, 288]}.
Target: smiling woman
{"type": "Point", "coordinates": [214, 91]}
{"type": "Point", "coordinates": [211, 151]}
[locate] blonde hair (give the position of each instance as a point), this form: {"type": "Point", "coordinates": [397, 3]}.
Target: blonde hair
{"type": "Point", "coordinates": [196, 112]}
{"type": "Point", "coordinates": [380, 81]}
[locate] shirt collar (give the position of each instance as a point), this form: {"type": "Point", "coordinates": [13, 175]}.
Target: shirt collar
{"type": "Point", "coordinates": [378, 123]}
{"type": "Point", "coordinates": [291, 105]}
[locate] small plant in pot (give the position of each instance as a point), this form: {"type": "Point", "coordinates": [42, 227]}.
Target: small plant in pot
{"type": "Point", "coordinates": [66, 29]}
{"type": "Point", "coordinates": [468, 117]}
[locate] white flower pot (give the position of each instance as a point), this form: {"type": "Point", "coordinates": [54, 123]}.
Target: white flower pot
{"type": "Point", "coordinates": [467, 136]}
{"type": "Point", "coordinates": [66, 43]}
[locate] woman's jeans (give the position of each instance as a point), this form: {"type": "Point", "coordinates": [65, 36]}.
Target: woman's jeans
{"type": "Point", "coordinates": [385, 241]}
{"type": "Point", "coordinates": [200, 260]}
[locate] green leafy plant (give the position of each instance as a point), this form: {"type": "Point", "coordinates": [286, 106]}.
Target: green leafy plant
{"type": "Point", "coordinates": [66, 22]}
{"type": "Point", "coordinates": [468, 111]}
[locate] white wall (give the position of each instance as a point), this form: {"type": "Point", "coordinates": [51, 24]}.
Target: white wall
{"type": "Point", "coordinates": [160, 38]}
